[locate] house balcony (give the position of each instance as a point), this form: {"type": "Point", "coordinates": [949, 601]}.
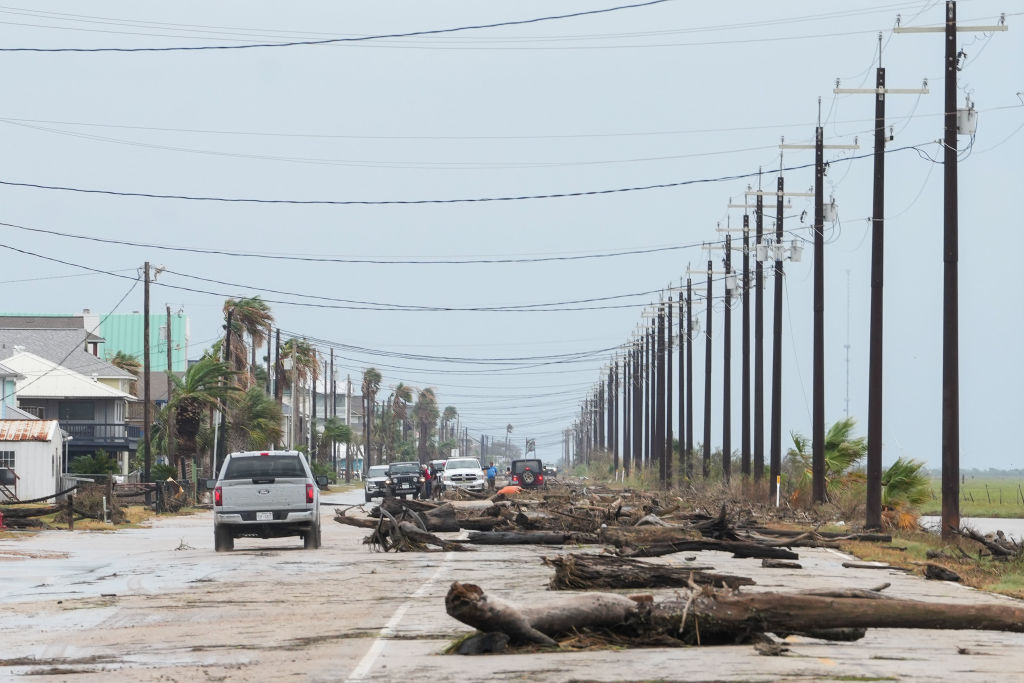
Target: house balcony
{"type": "Point", "coordinates": [108, 436]}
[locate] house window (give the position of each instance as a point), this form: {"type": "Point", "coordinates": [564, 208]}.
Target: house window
{"type": "Point", "coordinates": [7, 459]}
{"type": "Point", "coordinates": [77, 410]}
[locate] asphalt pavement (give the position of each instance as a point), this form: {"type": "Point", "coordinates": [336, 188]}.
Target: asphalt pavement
{"type": "Point", "coordinates": [157, 603]}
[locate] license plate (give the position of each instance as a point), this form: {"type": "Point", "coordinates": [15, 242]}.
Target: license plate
{"type": "Point", "coordinates": [406, 486]}
{"type": "Point", "coordinates": [264, 516]}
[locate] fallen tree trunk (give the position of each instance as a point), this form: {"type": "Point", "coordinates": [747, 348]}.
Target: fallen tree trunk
{"type": "Point", "coordinates": [435, 517]}
{"type": "Point", "coordinates": [580, 572]}
{"type": "Point", "coordinates": [713, 617]}
{"type": "Point", "coordinates": [529, 537]}
{"type": "Point", "coordinates": [480, 523]}
{"type": "Point", "coordinates": [24, 512]}
{"type": "Point", "coordinates": [830, 535]}
{"type": "Point", "coordinates": [739, 549]}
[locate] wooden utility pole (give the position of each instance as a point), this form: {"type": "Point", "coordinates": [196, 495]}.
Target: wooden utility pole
{"type": "Point", "coordinates": [727, 368]}
{"type": "Point", "coordinates": [708, 299]}
{"type": "Point", "coordinates": [689, 379]}
{"type": "Point", "coordinates": [147, 386]}
{"type": "Point", "coordinates": [775, 466]}
{"type": "Point", "coordinates": [669, 452]}
{"type": "Point", "coordinates": [348, 421]}
{"type": "Point", "coordinates": [171, 432]}
{"type": "Point", "coordinates": [873, 514]}
{"type": "Point", "coordinates": [218, 448]}
{"type": "Point", "coordinates": [745, 372]}
{"type": "Point", "coordinates": [950, 284]}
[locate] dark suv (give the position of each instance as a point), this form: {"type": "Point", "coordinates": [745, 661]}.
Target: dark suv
{"type": "Point", "coordinates": [527, 473]}
{"type": "Point", "coordinates": [405, 479]}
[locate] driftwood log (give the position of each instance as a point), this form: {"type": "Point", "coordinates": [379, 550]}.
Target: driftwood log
{"type": "Point", "coordinates": [716, 617]}
{"type": "Point", "coordinates": [529, 537]}
{"type": "Point", "coordinates": [739, 549]}
{"type": "Point", "coordinates": [579, 571]}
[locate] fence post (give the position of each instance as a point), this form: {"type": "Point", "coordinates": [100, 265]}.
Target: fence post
{"type": "Point", "coordinates": [71, 512]}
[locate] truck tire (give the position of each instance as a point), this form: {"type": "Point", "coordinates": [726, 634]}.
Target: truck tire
{"type": "Point", "coordinates": [368, 497]}
{"type": "Point", "coordinates": [311, 539]}
{"type": "Point", "coordinates": [222, 539]}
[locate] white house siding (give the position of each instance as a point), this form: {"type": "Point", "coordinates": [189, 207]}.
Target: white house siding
{"type": "Point", "coordinates": [37, 463]}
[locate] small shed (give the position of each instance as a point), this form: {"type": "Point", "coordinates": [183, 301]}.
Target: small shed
{"type": "Point", "coordinates": [30, 458]}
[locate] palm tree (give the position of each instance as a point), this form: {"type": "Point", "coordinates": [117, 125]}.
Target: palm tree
{"type": "Point", "coordinates": [128, 363]}
{"type": "Point", "coordinates": [425, 413]}
{"type": "Point", "coordinates": [256, 421]}
{"type": "Point", "coordinates": [371, 385]}
{"type": "Point", "coordinates": [206, 385]}
{"type": "Point", "coordinates": [904, 487]}
{"type": "Point", "coordinates": [250, 315]}
{"type": "Point", "coordinates": [394, 417]}
{"type": "Point", "coordinates": [450, 414]}
{"type": "Point", "coordinates": [842, 453]}
{"type": "Point", "coordinates": [335, 431]}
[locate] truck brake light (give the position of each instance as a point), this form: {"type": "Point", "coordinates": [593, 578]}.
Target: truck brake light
{"type": "Point", "coordinates": [218, 496]}
{"type": "Point", "coordinates": [540, 478]}
{"type": "Point", "coordinates": [309, 493]}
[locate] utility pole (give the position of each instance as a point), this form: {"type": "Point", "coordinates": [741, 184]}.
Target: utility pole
{"type": "Point", "coordinates": [758, 339]}
{"type": "Point", "coordinates": [648, 366]}
{"type": "Point", "coordinates": [709, 299]}
{"type": "Point", "coordinates": [348, 420]}
{"type": "Point", "coordinates": [669, 452]}
{"type": "Point", "coordinates": [950, 278]}
{"type": "Point", "coordinates": [727, 368]}
{"type": "Point", "coordinates": [818, 381]}
{"type": "Point", "coordinates": [745, 380]}
{"type": "Point", "coordinates": [689, 380]}
{"type": "Point", "coordinates": [682, 379]}
{"type": "Point", "coordinates": [775, 466]}
{"type": "Point", "coordinates": [171, 433]}
{"type": "Point", "coordinates": [659, 398]}
{"type": "Point", "coordinates": [627, 437]}
{"type": "Point", "coordinates": [873, 513]}
{"type": "Point", "coordinates": [146, 418]}
{"type": "Point", "coordinates": [637, 411]}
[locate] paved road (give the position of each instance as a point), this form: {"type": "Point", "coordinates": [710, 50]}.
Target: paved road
{"type": "Point", "coordinates": [159, 604]}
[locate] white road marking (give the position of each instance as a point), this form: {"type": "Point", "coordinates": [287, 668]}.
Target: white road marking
{"type": "Point", "coordinates": [370, 658]}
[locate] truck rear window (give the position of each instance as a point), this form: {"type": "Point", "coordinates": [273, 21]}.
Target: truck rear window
{"type": "Point", "coordinates": [264, 466]}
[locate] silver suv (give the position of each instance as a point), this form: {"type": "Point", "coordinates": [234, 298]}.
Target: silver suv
{"type": "Point", "coordinates": [265, 494]}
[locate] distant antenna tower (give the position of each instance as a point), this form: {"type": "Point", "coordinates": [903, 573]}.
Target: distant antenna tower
{"type": "Point", "coordinates": [847, 342]}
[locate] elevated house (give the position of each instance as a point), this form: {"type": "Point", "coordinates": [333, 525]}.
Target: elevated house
{"type": "Point", "coordinates": [89, 409]}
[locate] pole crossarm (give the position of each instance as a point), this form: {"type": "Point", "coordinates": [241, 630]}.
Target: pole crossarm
{"type": "Point", "coordinates": [751, 206]}
{"type": "Point", "coordinates": [770, 193]}
{"type": "Point", "coordinates": [880, 91]}
{"type": "Point", "coordinates": [787, 145]}
{"type": "Point", "coordinates": [942, 29]}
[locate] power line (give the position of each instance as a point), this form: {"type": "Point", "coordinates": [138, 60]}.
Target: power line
{"type": "Point", "coordinates": [375, 261]}
{"type": "Point", "coordinates": [353, 39]}
{"type": "Point", "coordinates": [466, 200]}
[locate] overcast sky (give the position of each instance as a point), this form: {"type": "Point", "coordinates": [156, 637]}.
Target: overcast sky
{"type": "Point", "coordinates": [663, 94]}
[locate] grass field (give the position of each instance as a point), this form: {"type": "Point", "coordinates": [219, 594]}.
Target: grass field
{"type": "Point", "coordinates": [982, 497]}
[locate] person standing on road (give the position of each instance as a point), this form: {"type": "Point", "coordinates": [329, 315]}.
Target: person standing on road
{"type": "Point", "coordinates": [492, 473]}
{"type": "Point", "coordinates": [426, 482]}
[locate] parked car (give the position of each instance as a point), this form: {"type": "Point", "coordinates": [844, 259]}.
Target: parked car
{"type": "Point", "coordinates": [374, 486]}
{"type": "Point", "coordinates": [464, 473]}
{"type": "Point", "coordinates": [550, 471]}
{"type": "Point", "coordinates": [527, 473]}
{"type": "Point", "coordinates": [405, 479]}
{"type": "Point", "coordinates": [265, 494]}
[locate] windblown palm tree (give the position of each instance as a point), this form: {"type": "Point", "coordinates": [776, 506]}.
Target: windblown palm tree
{"type": "Point", "coordinates": [842, 453]}
{"type": "Point", "coordinates": [335, 431]}
{"type": "Point", "coordinates": [904, 487]}
{"type": "Point", "coordinates": [394, 417]}
{"type": "Point", "coordinates": [256, 421]}
{"type": "Point", "coordinates": [126, 362]}
{"type": "Point", "coordinates": [206, 385]}
{"type": "Point", "coordinates": [449, 415]}
{"type": "Point", "coordinates": [252, 316]}
{"type": "Point", "coordinates": [371, 385]}
{"type": "Point", "coordinates": [425, 413]}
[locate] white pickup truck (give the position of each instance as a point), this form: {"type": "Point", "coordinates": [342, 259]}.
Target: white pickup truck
{"type": "Point", "coordinates": [265, 494]}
